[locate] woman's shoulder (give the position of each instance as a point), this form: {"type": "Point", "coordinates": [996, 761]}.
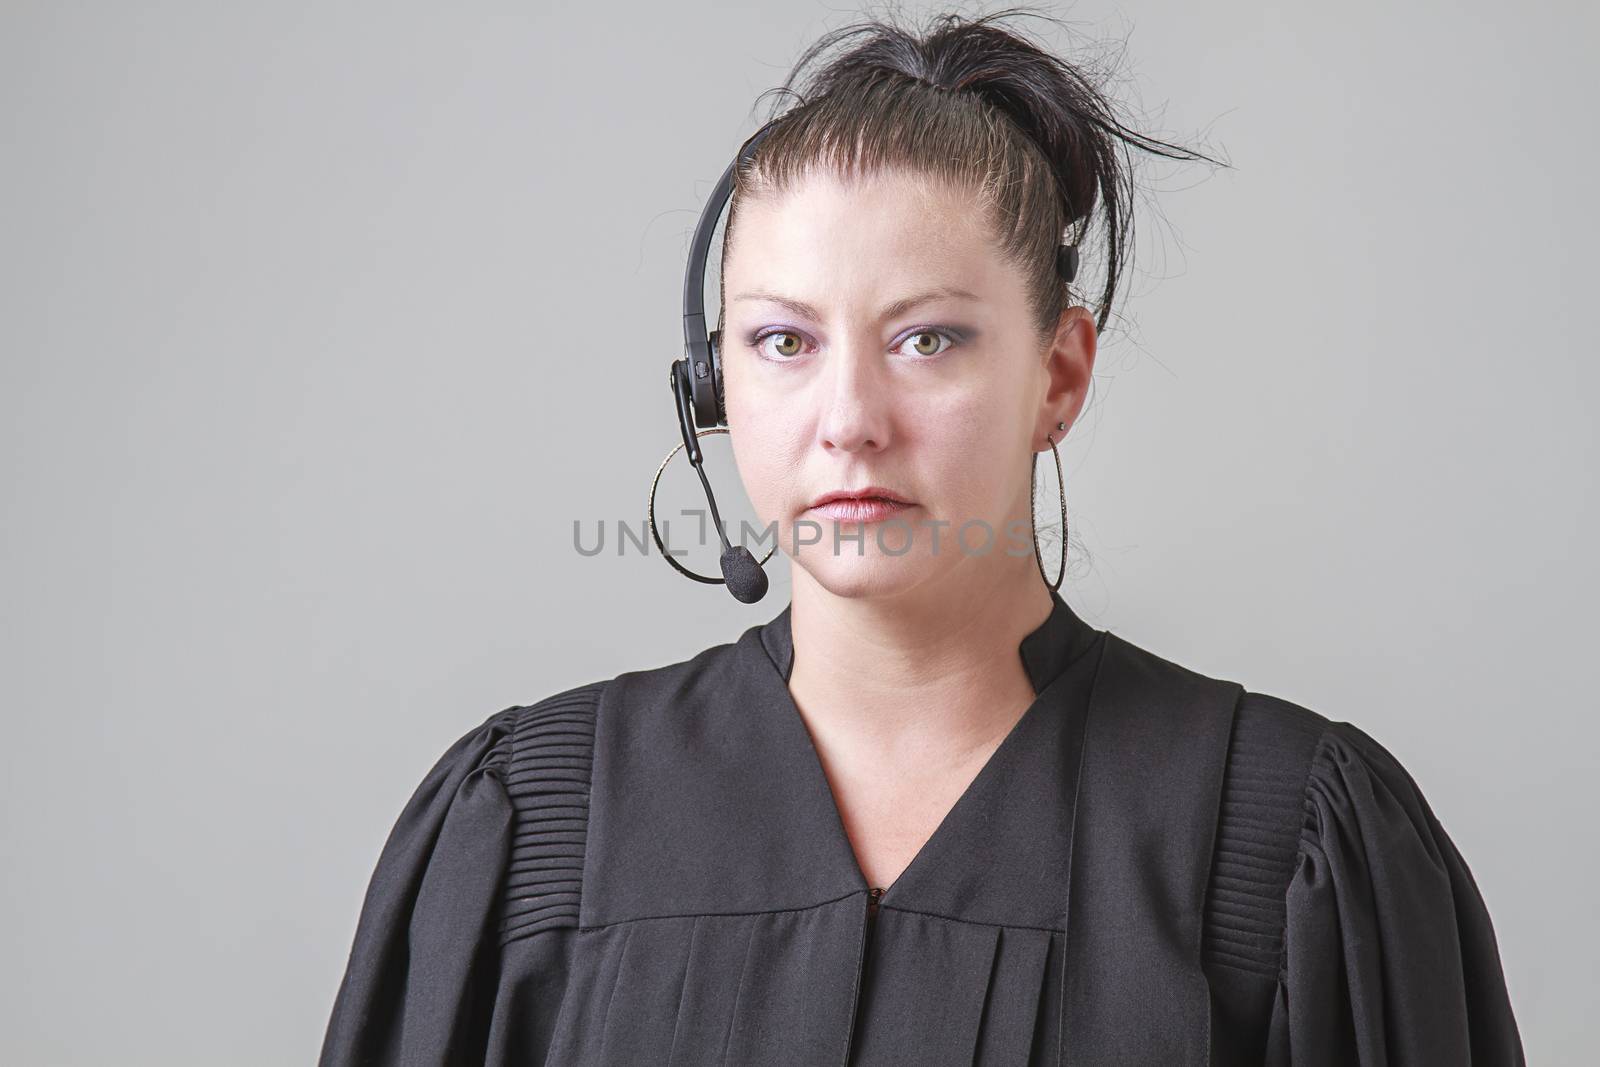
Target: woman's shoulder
{"type": "Point", "coordinates": [1335, 879]}
{"type": "Point", "coordinates": [1320, 765]}
{"type": "Point", "coordinates": [551, 740]}
{"type": "Point", "coordinates": [1300, 772]}
{"type": "Point", "coordinates": [1278, 744]}
{"type": "Point", "coordinates": [489, 846]}
{"type": "Point", "coordinates": [567, 713]}
{"type": "Point", "coordinates": [1297, 784]}
{"type": "Point", "coordinates": [492, 744]}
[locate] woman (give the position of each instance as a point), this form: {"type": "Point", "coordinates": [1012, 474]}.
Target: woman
{"type": "Point", "coordinates": [925, 814]}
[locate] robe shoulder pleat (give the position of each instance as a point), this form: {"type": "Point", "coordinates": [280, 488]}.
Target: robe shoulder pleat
{"type": "Point", "coordinates": [478, 880]}
{"type": "Point", "coordinates": [1342, 925]}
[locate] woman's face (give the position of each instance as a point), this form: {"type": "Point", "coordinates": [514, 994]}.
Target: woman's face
{"type": "Point", "coordinates": [873, 336]}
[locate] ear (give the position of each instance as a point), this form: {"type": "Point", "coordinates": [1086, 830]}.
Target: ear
{"type": "Point", "coordinates": [1069, 370]}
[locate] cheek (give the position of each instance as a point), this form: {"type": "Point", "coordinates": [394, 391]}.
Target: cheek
{"type": "Point", "coordinates": [751, 400]}
{"type": "Point", "coordinates": [764, 446]}
{"type": "Point", "coordinates": [768, 437]}
{"type": "Point", "coordinates": [971, 439]}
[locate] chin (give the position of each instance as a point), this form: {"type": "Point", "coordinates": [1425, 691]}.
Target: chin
{"type": "Point", "coordinates": [867, 575]}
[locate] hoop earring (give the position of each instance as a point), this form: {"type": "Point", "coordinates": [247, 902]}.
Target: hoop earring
{"type": "Point", "coordinates": [650, 514]}
{"type": "Point", "coordinates": [1033, 479]}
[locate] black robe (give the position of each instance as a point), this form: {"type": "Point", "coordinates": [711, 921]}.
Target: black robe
{"type": "Point", "coordinates": [1154, 867]}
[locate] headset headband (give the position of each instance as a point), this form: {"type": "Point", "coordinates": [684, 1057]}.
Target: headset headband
{"type": "Point", "coordinates": [704, 368]}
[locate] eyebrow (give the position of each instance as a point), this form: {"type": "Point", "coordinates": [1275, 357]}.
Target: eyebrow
{"type": "Point", "coordinates": [898, 307]}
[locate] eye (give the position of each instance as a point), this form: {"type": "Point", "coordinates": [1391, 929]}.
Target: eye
{"type": "Point", "coordinates": [789, 345]}
{"type": "Point", "coordinates": [926, 342]}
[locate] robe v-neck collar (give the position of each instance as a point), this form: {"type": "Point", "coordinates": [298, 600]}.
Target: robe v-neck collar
{"type": "Point", "coordinates": [709, 797]}
{"type": "Point", "coordinates": [1046, 650]}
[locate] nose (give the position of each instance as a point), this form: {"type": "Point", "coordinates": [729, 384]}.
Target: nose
{"type": "Point", "coordinates": [857, 401]}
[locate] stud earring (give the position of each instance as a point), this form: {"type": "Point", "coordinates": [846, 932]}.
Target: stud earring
{"type": "Point", "coordinates": [1033, 475]}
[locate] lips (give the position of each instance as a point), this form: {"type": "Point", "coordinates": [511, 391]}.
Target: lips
{"type": "Point", "coordinates": [868, 493]}
{"type": "Point", "coordinates": [860, 509]}
{"type": "Point", "coordinates": [871, 504]}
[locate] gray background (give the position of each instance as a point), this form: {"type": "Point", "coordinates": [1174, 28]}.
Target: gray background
{"type": "Point", "coordinates": [321, 323]}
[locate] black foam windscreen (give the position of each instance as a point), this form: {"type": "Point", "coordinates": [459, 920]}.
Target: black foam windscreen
{"type": "Point", "coordinates": [743, 575]}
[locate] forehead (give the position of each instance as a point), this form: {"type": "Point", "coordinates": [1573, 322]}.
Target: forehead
{"type": "Point", "coordinates": [893, 229]}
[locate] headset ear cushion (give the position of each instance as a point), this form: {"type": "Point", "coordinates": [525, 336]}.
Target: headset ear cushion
{"type": "Point", "coordinates": [714, 339]}
{"type": "Point", "coordinates": [1067, 261]}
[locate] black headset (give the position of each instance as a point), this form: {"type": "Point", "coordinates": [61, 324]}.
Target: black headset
{"type": "Point", "coordinates": [697, 377]}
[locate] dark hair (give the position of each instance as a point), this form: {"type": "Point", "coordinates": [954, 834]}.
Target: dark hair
{"type": "Point", "coordinates": [976, 103]}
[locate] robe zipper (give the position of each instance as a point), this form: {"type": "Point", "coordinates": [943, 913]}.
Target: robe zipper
{"type": "Point", "coordinates": [872, 906]}
{"type": "Point", "coordinates": [861, 965]}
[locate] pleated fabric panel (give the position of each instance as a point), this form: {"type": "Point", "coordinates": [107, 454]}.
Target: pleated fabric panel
{"type": "Point", "coordinates": [1391, 953]}
{"type": "Point", "coordinates": [1258, 833]}
{"type": "Point", "coordinates": [1021, 1017]}
{"type": "Point", "coordinates": [773, 988]}
{"type": "Point", "coordinates": [551, 752]}
{"type": "Point", "coordinates": [796, 986]}
{"type": "Point", "coordinates": [780, 989]}
{"type": "Point", "coordinates": [959, 994]}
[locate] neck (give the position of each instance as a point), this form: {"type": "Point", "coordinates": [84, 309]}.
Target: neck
{"type": "Point", "coordinates": [935, 666]}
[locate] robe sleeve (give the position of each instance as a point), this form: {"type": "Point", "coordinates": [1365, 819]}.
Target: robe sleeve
{"type": "Point", "coordinates": [1389, 957]}
{"type": "Point", "coordinates": [419, 983]}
